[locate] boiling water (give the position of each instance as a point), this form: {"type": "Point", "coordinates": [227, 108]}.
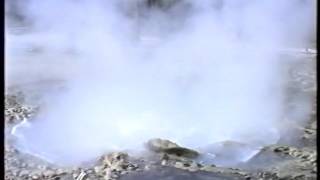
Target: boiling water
{"type": "Point", "coordinates": [209, 80]}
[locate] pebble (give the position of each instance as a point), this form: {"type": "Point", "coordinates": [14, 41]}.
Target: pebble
{"type": "Point", "coordinates": [147, 167]}
{"type": "Point", "coordinates": [74, 175]}
{"type": "Point", "coordinates": [163, 162]}
{"type": "Point", "coordinates": [35, 177]}
{"type": "Point", "coordinates": [179, 165]}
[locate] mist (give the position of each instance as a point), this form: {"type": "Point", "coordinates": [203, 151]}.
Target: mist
{"type": "Point", "coordinates": [196, 73]}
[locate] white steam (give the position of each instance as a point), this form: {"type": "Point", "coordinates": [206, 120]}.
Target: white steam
{"type": "Point", "coordinates": [196, 74]}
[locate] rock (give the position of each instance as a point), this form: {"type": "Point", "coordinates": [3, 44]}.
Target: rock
{"type": "Point", "coordinates": [16, 111]}
{"type": "Point", "coordinates": [180, 151]}
{"type": "Point", "coordinates": [166, 146]}
{"type": "Point", "coordinates": [147, 168]}
{"type": "Point", "coordinates": [35, 177]}
{"type": "Point", "coordinates": [132, 167]}
{"type": "Point", "coordinates": [48, 173]}
{"type": "Point", "coordinates": [163, 162]}
{"type": "Point", "coordinates": [81, 175]}
{"type": "Point", "coordinates": [179, 165]}
{"type": "Point", "coordinates": [160, 145]}
{"type": "Point", "coordinates": [74, 175]}
{"type": "Point", "coordinates": [98, 169]}
{"type": "Point", "coordinates": [113, 165]}
{"type": "Point", "coordinates": [24, 173]}
{"type": "Point", "coordinates": [124, 172]}
{"type": "Point", "coordinates": [115, 158]}
{"type": "Point", "coordinates": [192, 167]}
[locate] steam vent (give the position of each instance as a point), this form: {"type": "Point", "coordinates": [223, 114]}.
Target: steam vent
{"type": "Point", "coordinates": [160, 90]}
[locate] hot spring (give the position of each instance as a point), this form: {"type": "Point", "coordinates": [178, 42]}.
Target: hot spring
{"type": "Point", "coordinates": [194, 72]}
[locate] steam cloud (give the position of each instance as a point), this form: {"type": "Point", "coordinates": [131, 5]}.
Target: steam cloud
{"type": "Point", "coordinates": [196, 73]}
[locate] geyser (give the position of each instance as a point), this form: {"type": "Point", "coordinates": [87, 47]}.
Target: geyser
{"type": "Point", "coordinates": [195, 72]}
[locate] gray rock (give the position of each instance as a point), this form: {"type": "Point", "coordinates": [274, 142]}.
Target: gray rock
{"type": "Point", "coordinates": [166, 146]}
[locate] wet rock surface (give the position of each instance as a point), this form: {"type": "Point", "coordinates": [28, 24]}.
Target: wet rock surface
{"type": "Point", "coordinates": [294, 159]}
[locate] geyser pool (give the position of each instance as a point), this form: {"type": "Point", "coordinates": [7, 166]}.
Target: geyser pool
{"type": "Point", "coordinates": [212, 74]}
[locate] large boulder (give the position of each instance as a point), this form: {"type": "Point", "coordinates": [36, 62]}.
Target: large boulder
{"type": "Point", "coordinates": [165, 146]}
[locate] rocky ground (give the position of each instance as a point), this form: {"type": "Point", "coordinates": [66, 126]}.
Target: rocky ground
{"type": "Point", "coordinates": [291, 158]}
